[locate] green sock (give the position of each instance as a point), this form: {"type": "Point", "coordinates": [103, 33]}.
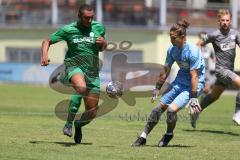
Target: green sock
{"type": "Point", "coordinates": [73, 108]}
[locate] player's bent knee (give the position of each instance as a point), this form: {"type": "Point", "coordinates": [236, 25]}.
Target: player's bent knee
{"type": "Point", "coordinates": [158, 109]}
{"type": "Point", "coordinates": [237, 82]}
{"type": "Point", "coordinates": [81, 90]}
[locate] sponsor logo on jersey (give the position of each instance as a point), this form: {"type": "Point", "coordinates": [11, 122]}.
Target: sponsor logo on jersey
{"type": "Point", "coordinates": [85, 39]}
{"type": "Point", "coordinates": [227, 46]}
{"type": "Point", "coordinates": [183, 64]}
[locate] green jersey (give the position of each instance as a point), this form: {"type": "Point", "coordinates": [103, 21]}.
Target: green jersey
{"type": "Point", "coordinates": [82, 50]}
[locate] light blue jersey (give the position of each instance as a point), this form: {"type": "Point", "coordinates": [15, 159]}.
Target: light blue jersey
{"type": "Point", "coordinates": [188, 58]}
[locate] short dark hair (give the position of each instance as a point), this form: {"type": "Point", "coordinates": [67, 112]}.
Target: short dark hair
{"type": "Point", "coordinates": [83, 8]}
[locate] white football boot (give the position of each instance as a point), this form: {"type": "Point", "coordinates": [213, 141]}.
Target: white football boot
{"type": "Point", "coordinates": [236, 118]}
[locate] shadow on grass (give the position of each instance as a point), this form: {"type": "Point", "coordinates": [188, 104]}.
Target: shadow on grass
{"type": "Point", "coordinates": [168, 146]}
{"type": "Point", "coordinates": [107, 146]}
{"type": "Point", "coordinates": [65, 144]}
{"type": "Point", "coordinates": [212, 131]}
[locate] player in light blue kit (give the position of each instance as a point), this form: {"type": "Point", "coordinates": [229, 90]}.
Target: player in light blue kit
{"type": "Point", "coordinates": [187, 86]}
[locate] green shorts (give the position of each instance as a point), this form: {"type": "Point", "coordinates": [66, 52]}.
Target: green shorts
{"type": "Point", "coordinates": [92, 82]}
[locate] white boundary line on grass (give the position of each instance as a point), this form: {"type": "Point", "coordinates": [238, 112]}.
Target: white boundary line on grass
{"type": "Point", "coordinates": [28, 113]}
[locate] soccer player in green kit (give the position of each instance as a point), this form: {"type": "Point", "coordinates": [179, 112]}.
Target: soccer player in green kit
{"type": "Point", "coordinates": [84, 38]}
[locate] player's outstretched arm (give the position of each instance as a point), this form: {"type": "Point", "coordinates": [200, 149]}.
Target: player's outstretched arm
{"type": "Point", "coordinates": [162, 78]}
{"type": "Point", "coordinates": [194, 104]}
{"type": "Point", "coordinates": [44, 52]}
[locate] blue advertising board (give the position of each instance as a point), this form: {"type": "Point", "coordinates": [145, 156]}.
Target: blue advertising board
{"type": "Point", "coordinates": [25, 73]}
{"type": "Point", "coordinates": [35, 74]}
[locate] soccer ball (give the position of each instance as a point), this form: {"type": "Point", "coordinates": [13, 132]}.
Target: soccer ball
{"type": "Point", "coordinates": [114, 89]}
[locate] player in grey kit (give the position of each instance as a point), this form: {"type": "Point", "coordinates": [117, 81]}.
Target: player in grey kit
{"type": "Point", "coordinates": [224, 42]}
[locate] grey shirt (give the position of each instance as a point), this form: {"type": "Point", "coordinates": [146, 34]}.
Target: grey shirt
{"type": "Point", "coordinates": [224, 46]}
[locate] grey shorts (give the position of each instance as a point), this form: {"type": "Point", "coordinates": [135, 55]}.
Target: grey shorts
{"type": "Point", "coordinates": [210, 78]}
{"type": "Point", "coordinates": [225, 77]}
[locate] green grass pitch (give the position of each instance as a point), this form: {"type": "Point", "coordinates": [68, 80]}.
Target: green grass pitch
{"type": "Point", "coordinates": [29, 130]}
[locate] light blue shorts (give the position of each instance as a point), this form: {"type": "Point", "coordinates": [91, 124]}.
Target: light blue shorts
{"type": "Point", "coordinates": [178, 94]}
